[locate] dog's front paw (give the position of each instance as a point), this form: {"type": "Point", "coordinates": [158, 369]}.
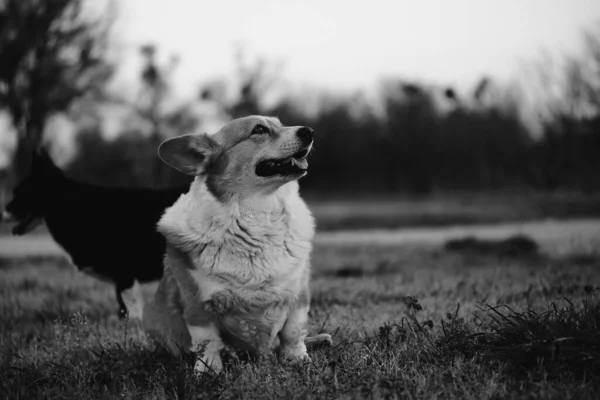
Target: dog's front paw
{"type": "Point", "coordinates": [208, 364]}
{"type": "Point", "coordinates": [295, 353]}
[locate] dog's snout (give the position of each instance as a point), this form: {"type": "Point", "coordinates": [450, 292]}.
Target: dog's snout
{"type": "Point", "coordinates": [305, 134]}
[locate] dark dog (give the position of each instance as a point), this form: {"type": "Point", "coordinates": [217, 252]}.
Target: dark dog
{"type": "Point", "coordinates": [108, 232]}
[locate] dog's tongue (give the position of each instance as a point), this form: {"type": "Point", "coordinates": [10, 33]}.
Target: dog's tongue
{"type": "Point", "coordinates": [302, 163]}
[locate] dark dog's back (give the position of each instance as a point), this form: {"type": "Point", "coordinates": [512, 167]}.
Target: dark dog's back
{"type": "Point", "coordinates": [110, 230]}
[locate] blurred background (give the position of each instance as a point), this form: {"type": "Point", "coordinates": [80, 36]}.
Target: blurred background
{"type": "Point", "coordinates": [430, 112]}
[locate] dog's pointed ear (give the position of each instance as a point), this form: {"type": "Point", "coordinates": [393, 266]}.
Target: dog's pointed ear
{"type": "Point", "coordinates": [39, 157]}
{"type": "Point", "coordinates": [43, 156]}
{"type": "Point", "coordinates": [35, 159]}
{"type": "Point", "coordinates": [42, 162]}
{"type": "Point", "coordinates": [190, 154]}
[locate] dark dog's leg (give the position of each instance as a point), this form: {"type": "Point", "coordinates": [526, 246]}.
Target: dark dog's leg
{"type": "Point", "coordinates": [121, 286]}
{"type": "Point", "coordinates": [122, 306]}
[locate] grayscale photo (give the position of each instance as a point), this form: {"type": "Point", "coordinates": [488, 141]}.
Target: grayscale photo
{"type": "Point", "coordinates": [299, 199]}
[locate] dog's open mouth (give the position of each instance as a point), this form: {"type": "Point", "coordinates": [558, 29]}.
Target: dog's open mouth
{"type": "Point", "coordinates": [24, 224]}
{"type": "Point", "coordinates": [294, 165]}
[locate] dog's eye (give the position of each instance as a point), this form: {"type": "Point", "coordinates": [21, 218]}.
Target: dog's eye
{"type": "Point", "coordinates": [259, 130]}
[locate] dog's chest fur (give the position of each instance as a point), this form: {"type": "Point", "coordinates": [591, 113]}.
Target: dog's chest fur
{"type": "Point", "coordinates": [245, 263]}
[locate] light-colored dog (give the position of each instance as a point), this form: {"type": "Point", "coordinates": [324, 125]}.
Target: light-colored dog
{"type": "Point", "coordinates": [238, 244]}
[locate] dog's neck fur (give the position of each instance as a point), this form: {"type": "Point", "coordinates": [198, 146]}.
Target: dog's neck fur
{"type": "Point", "coordinates": [199, 221]}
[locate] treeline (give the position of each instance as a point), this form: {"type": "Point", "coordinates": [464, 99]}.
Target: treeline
{"type": "Point", "coordinates": [409, 138]}
{"type": "Point", "coordinates": [416, 148]}
{"type": "Point", "coordinates": [408, 143]}
{"type": "Point", "coordinates": [411, 145]}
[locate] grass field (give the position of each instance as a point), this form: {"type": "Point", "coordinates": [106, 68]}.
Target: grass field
{"type": "Point", "coordinates": [410, 321]}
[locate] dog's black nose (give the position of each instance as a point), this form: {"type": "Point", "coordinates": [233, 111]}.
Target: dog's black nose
{"type": "Point", "coordinates": [305, 134]}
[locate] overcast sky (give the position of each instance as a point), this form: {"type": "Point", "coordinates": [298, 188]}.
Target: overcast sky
{"type": "Point", "coordinates": [347, 44]}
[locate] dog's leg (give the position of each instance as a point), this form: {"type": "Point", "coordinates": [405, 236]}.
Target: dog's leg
{"type": "Point", "coordinates": [207, 345]}
{"type": "Point", "coordinates": [163, 316]}
{"type": "Point", "coordinates": [293, 333]}
{"type": "Point", "coordinates": [122, 285]}
{"type": "Point", "coordinates": [134, 301]}
{"type": "Point", "coordinates": [122, 307]}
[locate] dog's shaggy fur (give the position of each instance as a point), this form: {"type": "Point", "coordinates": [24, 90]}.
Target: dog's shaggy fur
{"type": "Point", "coordinates": [238, 244]}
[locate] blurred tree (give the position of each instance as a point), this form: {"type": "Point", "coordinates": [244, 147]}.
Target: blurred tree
{"type": "Point", "coordinates": [255, 80]}
{"type": "Point", "coordinates": [152, 97]}
{"type": "Point", "coordinates": [51, 56]}
{"type": "Point", "coordinates": [481, 89]}
{"type": "Point", "coordinates": [130, 159]}
{"type": "Point", "coordinates": [122, 161]}
{"type": "Point", "coordinates": [409, 131]}
{"type": "Point", "coordinates": [154, 106]}
{"type": "Point", "coordinates": [403, 141]}
{"type": "Point", "coordinates": [412, 146]}
{"type": "Point", "coordinates": [569, 151]}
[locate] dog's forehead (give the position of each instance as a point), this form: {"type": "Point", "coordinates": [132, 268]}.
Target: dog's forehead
{"type": "Point", "coordinates": [239, 129]}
